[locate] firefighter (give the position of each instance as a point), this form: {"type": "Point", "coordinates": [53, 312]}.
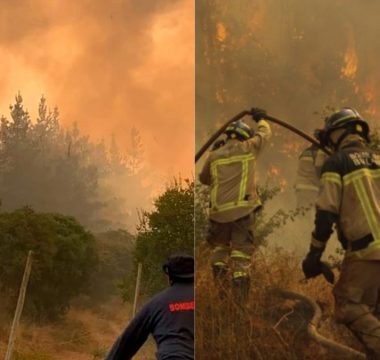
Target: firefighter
{"type": "Point", "coordinates": [308, 172]}
{"type": "Point", "coordinates": [230, 173]}
{"type": "Point", "coordinates": [169, 317]}
{"type": "Point", "coordinates": [350, 198]}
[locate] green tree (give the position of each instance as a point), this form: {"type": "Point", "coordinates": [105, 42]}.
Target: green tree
{"type": "Point", "coordinates": [115, 249]}
{"type": "Point", "coordinates": [64, 258]}
{"type": "Point", "coordinates": [167, 229]}
{"type": "Point", "coordinates": [56, 169]}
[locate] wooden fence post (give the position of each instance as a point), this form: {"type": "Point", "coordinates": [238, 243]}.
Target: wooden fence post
{"type": "Point", "coordinates": [19, 307]}
{"type": "Point", "coordinates": [137, 289]}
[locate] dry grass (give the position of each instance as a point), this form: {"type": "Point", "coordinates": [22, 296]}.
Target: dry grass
{"type": "Point", "coordinates": [268, 327]}
{"type": "Point", "coordinates": [83, 335]}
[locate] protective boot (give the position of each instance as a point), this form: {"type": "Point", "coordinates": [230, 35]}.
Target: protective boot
{"type": "Point", "coordinates": [240, 288]}
{"type": "Point", "coordinates": [368, 335]}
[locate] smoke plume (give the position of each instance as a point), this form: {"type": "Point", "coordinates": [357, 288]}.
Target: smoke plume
{"type": "Point", "coordinates": [108, 65]}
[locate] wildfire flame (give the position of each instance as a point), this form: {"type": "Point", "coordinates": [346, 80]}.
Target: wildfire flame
{"type": "Point", "coordinates": [273, 171]}
{"type": "Point", "coordinates": [293, 148]}
{"type": "Point", "coordinates": [350, 66]}
{"type": "Point", "coordinates": [283, 184]}
{"type": "Point", "coordinates": [369, 92]}
{"type": "Point", "coordinates": [221, 32]}
{"type": "Point", "coordinates": [258, 18]}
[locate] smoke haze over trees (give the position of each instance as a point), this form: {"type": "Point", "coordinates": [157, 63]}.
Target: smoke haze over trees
{"type": "Point", "coordinates": [53, 169]}
{"type": "Point", "coordinates": [108, 65]}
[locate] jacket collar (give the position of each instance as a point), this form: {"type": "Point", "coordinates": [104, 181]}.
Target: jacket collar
{"type": "Point", "coordinates": [352, 140]}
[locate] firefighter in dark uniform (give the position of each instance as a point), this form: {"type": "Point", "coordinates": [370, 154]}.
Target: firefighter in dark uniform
{"type": "Point", "coordinates": [350, 198]}
{"type": "Point", "coordinates": [230, 173]}
{"type": "Point", "coordinates": [169, 317]}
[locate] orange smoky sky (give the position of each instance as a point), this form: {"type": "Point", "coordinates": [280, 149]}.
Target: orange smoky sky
{"type": "Point", "coordinates": [109, 66]}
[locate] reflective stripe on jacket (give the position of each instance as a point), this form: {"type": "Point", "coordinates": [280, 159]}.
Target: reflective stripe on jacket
{"type": "Point", "coordinates": [351, 192]}
{"type": "Point", "coordinates": [230, 172]}
{"type": "Point", "coordinates": [309, 167]}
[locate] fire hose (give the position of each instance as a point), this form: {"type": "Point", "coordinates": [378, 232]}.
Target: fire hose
{"type": "Point", "coordinates": [312, 327]}
{"type": "Point", "coordinates": [239, 116]}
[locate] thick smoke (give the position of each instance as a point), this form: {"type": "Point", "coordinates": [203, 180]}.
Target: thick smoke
{"type": "Point", "coordinates": [295, 59]}
{"type": "Point", "coordinates": [108, 65]}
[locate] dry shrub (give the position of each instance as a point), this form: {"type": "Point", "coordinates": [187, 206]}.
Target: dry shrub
{"type": "Point", "coordinates": [268, 327]}
{"type": "Point", "coordinates": [82, 335]}
{"type": "Point", "coordinates": [31, 356]}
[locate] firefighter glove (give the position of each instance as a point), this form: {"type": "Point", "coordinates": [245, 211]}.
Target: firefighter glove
{"type": "Point", "coordinates": [318, 133]}
{"type": "Point", "coordinates": [258, 114]}
{"type": "Point", "coordinates": [328, 273]}
{"type": "Point", "coordinates": [312, 265]}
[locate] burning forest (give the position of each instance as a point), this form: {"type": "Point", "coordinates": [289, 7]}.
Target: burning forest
{"type": "Point", "coordinates": [300, 62]}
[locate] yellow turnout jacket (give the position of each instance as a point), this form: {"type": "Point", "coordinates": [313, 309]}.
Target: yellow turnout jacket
{"type": "Point", "coordinates": [350, 197]}
{"type": "Point", "coordinates": [230, 172]}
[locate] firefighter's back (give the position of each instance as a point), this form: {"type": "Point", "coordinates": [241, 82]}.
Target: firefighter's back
{"type": "Point", "coordinates": [233, 188]}
{"type": "Point", "coordinates": [358, 168]}
{"type": "Point", "coordinates": [172, 313]}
